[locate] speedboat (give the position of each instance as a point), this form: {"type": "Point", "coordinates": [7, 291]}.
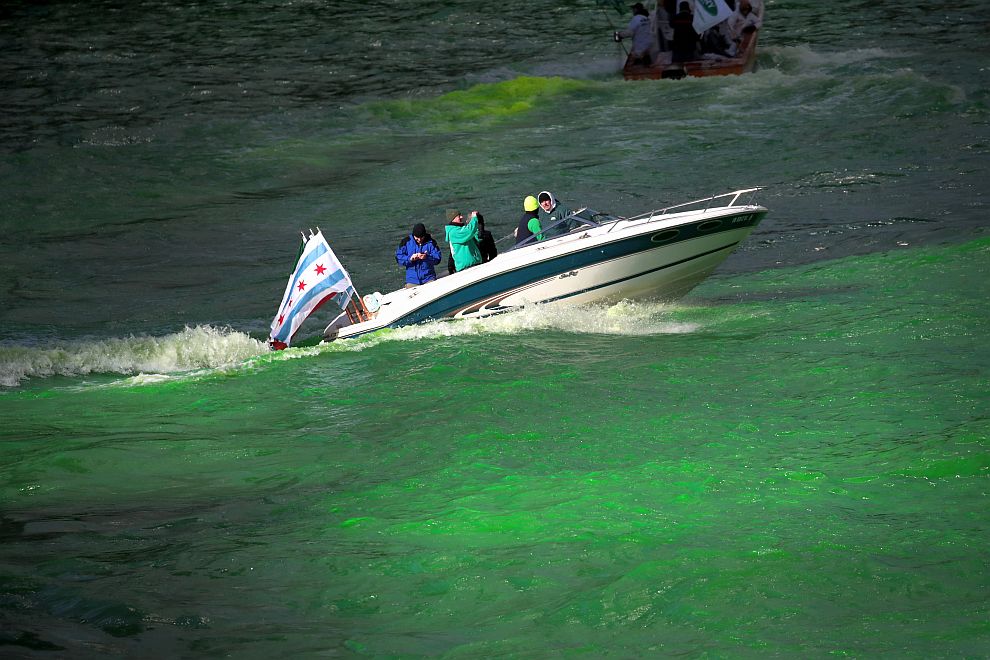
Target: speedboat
{"type": "Point", "coordinates": [661, 254]}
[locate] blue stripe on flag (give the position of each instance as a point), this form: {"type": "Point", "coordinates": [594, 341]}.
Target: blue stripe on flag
{"type": "Point", "coordinates": [320, 250]}
{"type": "Point", "coordinates": [316, 292]}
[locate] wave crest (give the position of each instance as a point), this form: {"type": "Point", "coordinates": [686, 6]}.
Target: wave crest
{"type": "Point", "coordinates": [201, 347]}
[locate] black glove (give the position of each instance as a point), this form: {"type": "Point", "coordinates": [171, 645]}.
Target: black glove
{"type": "Point", "coordinates": [617, 37]}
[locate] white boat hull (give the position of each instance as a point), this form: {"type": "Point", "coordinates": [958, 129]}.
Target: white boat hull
{"type": "Point", "coordinates": [634, 276]}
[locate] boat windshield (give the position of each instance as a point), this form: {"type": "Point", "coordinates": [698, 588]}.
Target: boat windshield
{"type": "Point", "coordinates": [582, 219]}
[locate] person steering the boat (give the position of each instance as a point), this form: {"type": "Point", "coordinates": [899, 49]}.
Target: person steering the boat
{"type": "Point", "coordinates": [644, 45]}
{"type": "Point", "coordinates": [552, 211]}
{"type": "Point", "coordinates": [418, 254]}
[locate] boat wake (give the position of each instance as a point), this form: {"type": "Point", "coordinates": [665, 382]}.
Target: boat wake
{"type": "Point", "coordinates": [146, 360]}
{"type": "Point", "coordinates": [803, 59]}
{"type": "Point", "coordinates": [626, 318]}
{"type": "Point", "coordinates": [143, 358]}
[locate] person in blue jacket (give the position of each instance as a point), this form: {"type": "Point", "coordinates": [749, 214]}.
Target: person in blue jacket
{"type": "Point", "coordinates": [418, 253]}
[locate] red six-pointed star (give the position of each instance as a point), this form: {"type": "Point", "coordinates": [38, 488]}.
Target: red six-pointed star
{"type": "Point", "coordinates": [302, 285]}
{"type": "Point", "coordinates": [320, 268]}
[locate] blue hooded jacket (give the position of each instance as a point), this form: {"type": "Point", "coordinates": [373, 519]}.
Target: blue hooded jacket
{"type": "Point", "coordinates": [420, 271]}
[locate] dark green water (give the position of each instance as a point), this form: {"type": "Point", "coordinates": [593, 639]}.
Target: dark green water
{"type": "Point", "coordinates": [792, 461]}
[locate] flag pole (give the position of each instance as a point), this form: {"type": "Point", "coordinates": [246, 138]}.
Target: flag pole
{"type": "Point", "coordinates": [364, 309]}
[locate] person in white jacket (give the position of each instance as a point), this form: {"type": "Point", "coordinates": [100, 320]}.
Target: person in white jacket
{"type": "Point", "coordinates": [748, 18]}
{"type": "Point", "coordinates": [644, 38]}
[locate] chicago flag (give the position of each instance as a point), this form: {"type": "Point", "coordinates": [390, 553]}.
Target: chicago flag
{"type": "Point", "coordinates": [318, 277]}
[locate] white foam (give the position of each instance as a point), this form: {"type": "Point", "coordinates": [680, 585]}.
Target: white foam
{"type": "Point", "coordinates": [805, 60]}
{"type": "Point", "coordinates": [809, 58]}
{"type": "Point", "coordinates": [145, 357]}
{"type": "Point", "coordinates": [625, 318]}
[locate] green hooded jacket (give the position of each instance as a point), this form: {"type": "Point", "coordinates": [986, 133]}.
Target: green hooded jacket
{"type": "Point", "coordinates": [464, 240]}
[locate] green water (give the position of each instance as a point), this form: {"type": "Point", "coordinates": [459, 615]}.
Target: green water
{"type": "Point", "coordinates": [792, 462]}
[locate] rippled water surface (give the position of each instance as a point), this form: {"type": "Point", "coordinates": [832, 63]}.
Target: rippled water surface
{"type": "Point", "coordinates": [791, 461]}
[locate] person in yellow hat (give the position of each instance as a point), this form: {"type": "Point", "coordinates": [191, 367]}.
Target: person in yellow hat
{"type": "Point", "coordinates": [529, 223]}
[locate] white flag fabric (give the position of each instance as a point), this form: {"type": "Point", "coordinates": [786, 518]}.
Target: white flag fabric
{"type": "Point", "coordinates": [709, 13]}
{"type": "Point", "coordinates": [318, 277]}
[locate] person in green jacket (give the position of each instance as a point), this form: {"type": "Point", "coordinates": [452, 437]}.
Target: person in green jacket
{"type": "Point", "coordinates": [464, 239]}
{"type": "Point", "coordinates": [529, 223]}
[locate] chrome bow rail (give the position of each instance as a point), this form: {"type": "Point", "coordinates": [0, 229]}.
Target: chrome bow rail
{"type": "Point", "coordinates": [707, 201]}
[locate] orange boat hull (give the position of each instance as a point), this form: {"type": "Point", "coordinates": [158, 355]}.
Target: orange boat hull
{"type": "Point", "coordinates": [745, 62]}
